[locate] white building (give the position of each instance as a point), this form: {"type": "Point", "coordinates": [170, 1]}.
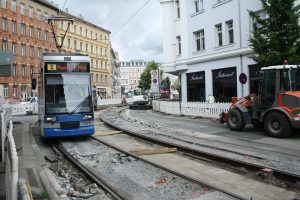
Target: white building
{"type": "Point", "coordinates": [131, 72]}
{"type": "Point", "coordinates": [206, 43]}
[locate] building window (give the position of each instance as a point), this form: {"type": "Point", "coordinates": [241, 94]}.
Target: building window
{"type": "Point", "coordinates": [105, 65]}
{"type": "Point", "coordinates": [91, 48]}
{"type": "Point", "coordinates": [96, 63]}
{"type": "Point", "coordinates": [75, 29]}
{"type": "Point", "coordinates": [39, 52]}
{"type": "Point", "coordinates": [31, 51]}
{"type": "Point", "coordinates": [97, 78]}
{"type": "Point", "coordinates": [45, 16]}
{"type": "Point", "coordinates": [96, 50]}
{"type": "Point", "coordinates": [4, 45]}
{"type": "Point", "coordinates": [23, 29]}
{"type": "Point", "coordinates": [62, 25]}
{"type": "Point", "coordinates": [75, 44]}
{"type": "Point", "coordinates": [101, 64]}
{"type": "Point", "coordinates": [15, 90]}
{"type": "Point", "coordinates": [5, 91]}
{"type": "Point", "coordinates": [13, 5]}
{"type": "Point", "coordinates": [80, 46]}
{"type": "Point", "coordinates": [31, 70]}
{"type": "Point", "coordinates": [31, 12]}
{"type": "Point", "coordinates": [69, 43]}
{"type": "Point", "coordinates": [91, 34]}
{"type": "Point", "coordinates": [38, 15]}
{"type": "Point", "coordinates": [178, 38]}
{"type": "Point", "coordinates": [80, 30]}
{"type": "Point", "coordinates": [86, 47]}
{"type": "Point", "coordinates": [178, 8]}
{"type": "Point", "coordinates": [46, 50]}
{"type": "Point", "coordinates": [14, 70]}
{"type": "Point", "coordinates": [52, 38]}
{"type": "Point", "coordinates": [198, 5]}
{"type": "Point", "coordinates": [23, 50]}
{"type": "Point", "coordinates": [46, 35]}
{"type": "Point", "coordinates": [24, 91]}
{"type": "Point", "coordinates": [86, 33]}
{"type": "Point", "coordinates": [219, 39]}
{"type": "Point", "coordinates": [31, 32]}
{"type": "Point", "coordinates": [229, 27]}
{"type": "Point", "coordinates": [200, 40]}
{"type": "Point", "coordinates": [3, 4]}
{"type": "Point", "coordinates": [14, 26]}
{"type": "Point", "coordinates": [14, 48]}
{"type": "Point", "coordinates": [23, 70]}
{"type": "Point", "coordinates": [22, 8]}
{"type": "Point", "coordinates": [100, 51]}
{"type": "Point", "coordinates": [39, 33]}
{"type": "Point", "coordinates": [105, 80]}
{"type": "Point", "coordinates": [4, 24]}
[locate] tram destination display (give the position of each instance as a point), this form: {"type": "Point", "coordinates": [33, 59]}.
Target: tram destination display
{"type": "Point", "coordinates": [66, 67]}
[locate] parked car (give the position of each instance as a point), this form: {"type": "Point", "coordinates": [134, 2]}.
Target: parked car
{"type": "Point", "coordinates": [29, 100]}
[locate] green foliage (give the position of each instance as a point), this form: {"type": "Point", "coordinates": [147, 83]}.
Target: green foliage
{"type": "Point", "coordinates": [166, 83]}
{"type": "Point", "coordinates": [276, 37]}
{"type": "Point", "coordinates": [145, 80]}
{"type": "Point", "coordinates": [44, 195]}
{"type": "Point", "coordinates": [176, 85]}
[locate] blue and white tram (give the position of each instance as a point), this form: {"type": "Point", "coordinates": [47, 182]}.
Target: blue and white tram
{"type": "Point", "coordinates": [66, 105]}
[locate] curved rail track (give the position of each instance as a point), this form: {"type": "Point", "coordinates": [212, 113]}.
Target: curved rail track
{"type": "Point", "coordinates": [289, 178]}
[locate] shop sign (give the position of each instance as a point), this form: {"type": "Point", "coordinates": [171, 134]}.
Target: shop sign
{"type": "Point", "coordinates": [225, 74]}
{"type": "Point", "coordinates": [102, 90]}
{"type": "Point", "coordinates": [198, 77]}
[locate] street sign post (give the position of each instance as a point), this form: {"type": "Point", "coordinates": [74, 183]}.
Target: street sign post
{"type": "Point", "coordinates": [154, 80]}
{"type": "Point", "coordinates": [243, 78]}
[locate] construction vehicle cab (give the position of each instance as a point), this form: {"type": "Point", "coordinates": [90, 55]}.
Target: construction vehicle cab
{"type": "Point", "coordinates": [276, 108]}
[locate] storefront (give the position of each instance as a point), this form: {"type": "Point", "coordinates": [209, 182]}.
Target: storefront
{"type": "Point", "coordinates": [224, 84]}
{"type": "Point", "coordinates": [101, 92]}
{"type": "Point", "coordinates": [196, 86]}
{"type": "Point", "coordinates": [254, 78]}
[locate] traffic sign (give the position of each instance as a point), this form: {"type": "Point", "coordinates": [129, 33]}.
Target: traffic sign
{"type": "Point", "coordinates": [243, 78]}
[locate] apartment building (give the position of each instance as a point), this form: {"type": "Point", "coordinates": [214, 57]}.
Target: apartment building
{"type": "Point", "coordinates": [115, 75]}
{"type": "Point", "coordinates": [89, 39]}
{"type": "Point", "coordinates": [130, 73]}
{"type": "Point", "coordinates": [206, 43]}
{"type": "Point", "coordinates": [25, 33]}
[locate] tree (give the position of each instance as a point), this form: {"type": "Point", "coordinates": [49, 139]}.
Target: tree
{"type": "Point", "coordinates": [276, 37]}
{"type": "Point", "coordinates": [145, 80]}
{"type": "Point", "coordinates": [176, 85]}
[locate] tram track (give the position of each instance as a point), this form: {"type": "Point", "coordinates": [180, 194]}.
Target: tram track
{"type": "Point", "coordinates": [109, 185]}
{"type": "Point", "coordinates": [291, 179]}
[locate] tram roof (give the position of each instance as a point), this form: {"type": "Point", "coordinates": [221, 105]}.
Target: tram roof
{"type": "Point", "coordinates": [281, 67]}
{"type": "Point", "coordinates": [69, 57]}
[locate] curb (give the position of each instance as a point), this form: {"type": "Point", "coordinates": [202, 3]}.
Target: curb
{"type": "Point", "coordinates": [54, 191]}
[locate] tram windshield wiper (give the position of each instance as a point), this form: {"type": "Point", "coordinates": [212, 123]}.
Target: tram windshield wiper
{"type": "Point", "coordinates": [80, 105]}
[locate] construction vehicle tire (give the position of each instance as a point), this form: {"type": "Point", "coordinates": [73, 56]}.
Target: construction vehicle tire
{"type": "Point", "coordinates": [277, 125]}
{"type": "Point", "coordinates": [235, 120]}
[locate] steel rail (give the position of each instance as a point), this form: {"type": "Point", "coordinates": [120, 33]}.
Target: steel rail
{"type": "Point", "coordinates": [171, 171]}
{"type": "Point", "coordinates": [280, 174]}
{"type": "Point", "coordinates": [97, 179]}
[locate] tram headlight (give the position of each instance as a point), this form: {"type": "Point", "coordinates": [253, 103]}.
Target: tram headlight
{"type": "Point", "coordinates": [50, 119]}
{"type": "Point", "coordinates": [87, 117]}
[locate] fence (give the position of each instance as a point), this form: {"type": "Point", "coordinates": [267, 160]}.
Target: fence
{"type": "Point", "coordinates": [11, 172]}
{"type": "Point", "coordinates": [102, 102]}
{"type": "Point", "coordinates": [199, 109]}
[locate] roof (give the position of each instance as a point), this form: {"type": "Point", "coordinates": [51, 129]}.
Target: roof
{"type": "Point", "coordinates": [83, 21]}
{"type": "Point", "coordinates": [48, 4]}
{"type": "Point", "coordinates": [281, 67]}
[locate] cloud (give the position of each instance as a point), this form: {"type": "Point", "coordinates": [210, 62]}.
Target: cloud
{"type": "Point", "coordinates": [139, 38]}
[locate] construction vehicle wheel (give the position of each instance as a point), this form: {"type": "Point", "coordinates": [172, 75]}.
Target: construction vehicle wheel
{"type": "Point", "coordinates": [257, 124]}
{"type": "Point", "coordinates": [277, 125]}
{"type": "Point", "coordinates": [235, 120]}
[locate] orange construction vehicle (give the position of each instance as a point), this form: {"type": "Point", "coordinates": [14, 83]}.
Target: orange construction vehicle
{"type": "Point", "coordinates": [276, 107]}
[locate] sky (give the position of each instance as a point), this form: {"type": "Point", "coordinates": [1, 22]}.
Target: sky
{"type": "Point", "coordinates": [135, 36]}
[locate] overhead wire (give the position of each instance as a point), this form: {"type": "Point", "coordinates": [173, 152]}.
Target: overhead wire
{"type": "Point", "coordinates": [131, 17]}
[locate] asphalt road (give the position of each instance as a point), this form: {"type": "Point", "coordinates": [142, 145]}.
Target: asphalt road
{"type": "Point", "coordinates": [211, 129]}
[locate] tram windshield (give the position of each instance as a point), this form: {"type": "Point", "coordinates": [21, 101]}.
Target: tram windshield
{"type": "Point", "coordinates": [67, 94]}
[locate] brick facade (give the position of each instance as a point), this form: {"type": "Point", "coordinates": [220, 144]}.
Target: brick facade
{"type": "Point", "coordinates": [19, 82]}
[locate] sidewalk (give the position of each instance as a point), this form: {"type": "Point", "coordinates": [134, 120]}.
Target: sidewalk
{"type": "Point", "coordinates": [31, 159]}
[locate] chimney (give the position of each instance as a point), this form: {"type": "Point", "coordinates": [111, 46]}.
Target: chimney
{"type": "Point", "coordinates": [66, 10]}
{"type": "Point", "coordinates": [80, 16]}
